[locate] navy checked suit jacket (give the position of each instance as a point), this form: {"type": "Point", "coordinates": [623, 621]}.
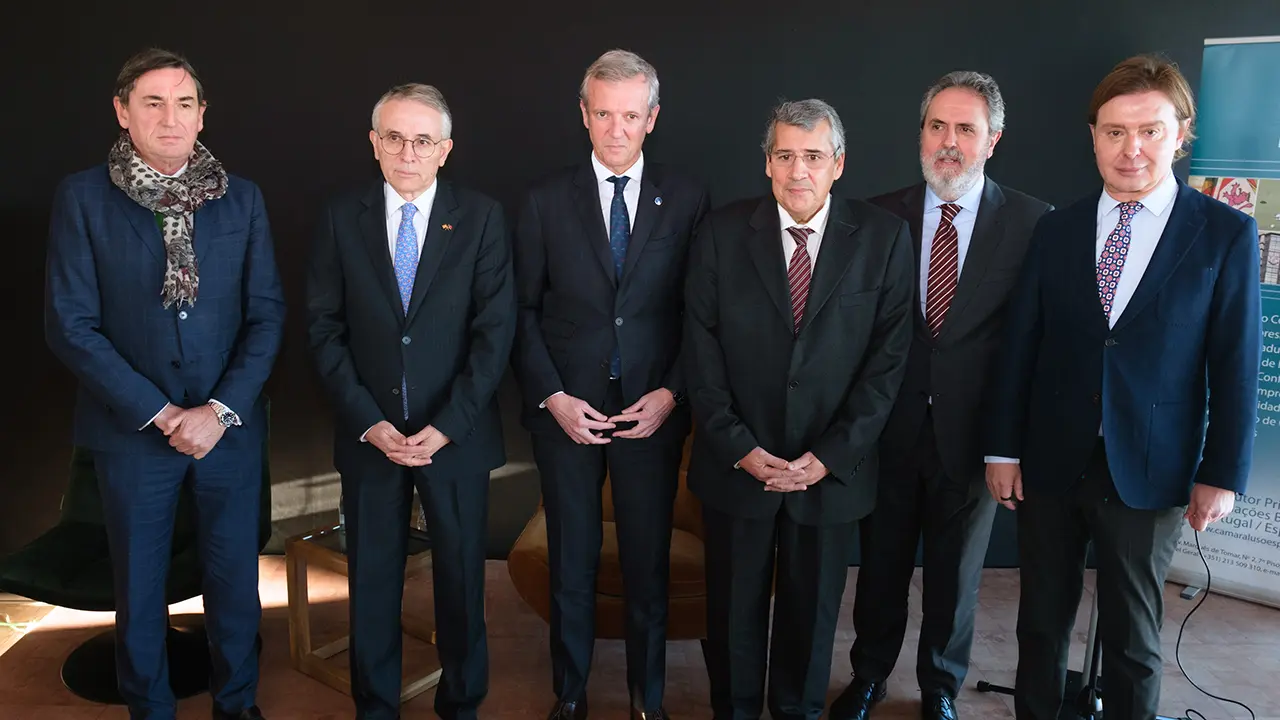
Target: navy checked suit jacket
{"type": "Point", "coordinates": [105, 319]}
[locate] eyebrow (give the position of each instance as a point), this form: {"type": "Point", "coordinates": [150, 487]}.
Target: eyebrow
{"type": "Point", "coordinates": [1121, 126]}
{"type": "Point", "coordinates": [803, 150]}
{"type": "Point", "coordinates": [157, 97]}
{"type": "Point", "coordinates": [405, 135]}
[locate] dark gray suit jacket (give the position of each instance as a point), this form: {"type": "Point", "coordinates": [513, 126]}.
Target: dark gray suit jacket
{"type": "Point", "coordinates": [954, 368]}
{"type": "Point", "coordinates": [828, 390]}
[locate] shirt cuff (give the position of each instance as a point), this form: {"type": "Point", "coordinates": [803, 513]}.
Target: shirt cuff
{"type": "Point", "coordinates": [543, 406]}
{"type": "Point", "coordinates": [363, 437]}
{"type": "Point", "coordinates": [220, 408]}
{"type": "Point", "coordinates": [153, 417]}
{"type": "Point", "coordinates": [999, 459]}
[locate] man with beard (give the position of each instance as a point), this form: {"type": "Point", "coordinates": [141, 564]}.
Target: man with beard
{"type": "Point", "coordinates": [969, 236]}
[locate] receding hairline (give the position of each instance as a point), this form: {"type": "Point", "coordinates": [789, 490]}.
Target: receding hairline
{"type": "Point", "coordinates": [408, 100]}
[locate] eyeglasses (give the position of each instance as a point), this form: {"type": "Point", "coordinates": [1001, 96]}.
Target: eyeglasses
{"type": "Point", "coordinates": [393, 144]}
{"type": "Point", "coordinates": [810, 159]}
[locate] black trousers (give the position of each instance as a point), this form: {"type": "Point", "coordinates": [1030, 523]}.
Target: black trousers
{"type": "Point", "coordinates": [644, 474]}
{"type": "Point", "coordinates": [812, 564]}
{"type": "Point", "coordinates": [917, 497]}
{"type": "Point", "coordinates": [377, 508]}
{"type": "Point", "coordinates": [1133, 549]}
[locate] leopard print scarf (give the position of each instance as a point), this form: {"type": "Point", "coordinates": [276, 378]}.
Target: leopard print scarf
{"type": "Point", "coordinates": [176, 200]}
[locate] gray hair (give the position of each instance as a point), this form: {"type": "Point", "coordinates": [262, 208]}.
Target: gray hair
{"type": "Point", "coordinates": [805, 114]}
{"type": "Point", "coordinates": [426, 94]}
{"type": "Point", "coordinates": [980, 83]}
{"type": "Point", "coordinates": [618, 66]}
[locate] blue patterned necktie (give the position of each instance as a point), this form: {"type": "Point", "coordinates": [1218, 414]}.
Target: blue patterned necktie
{"type": "Point", "coordinates": [619, 236]}
{"type": "Point", "coordinates": [406, 265]}
{"type": "Point", "coordinates": [1111, 262]}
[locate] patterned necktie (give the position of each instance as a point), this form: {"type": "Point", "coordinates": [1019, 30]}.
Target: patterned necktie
{"type": "Point", "coordinates": [799, 273]}
{"type": "Point", "coordinates": [1111, 262]}
{"type": "Point", "coordinates": [944, 269]}
{"type": "Point", "coordinates": [406, 265]}
{"type": "Point", "coordinates": [619, 236]}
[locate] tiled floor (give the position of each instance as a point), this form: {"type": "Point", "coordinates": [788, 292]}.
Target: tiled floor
{"type": "Point", "coordinates": [1231, 648]}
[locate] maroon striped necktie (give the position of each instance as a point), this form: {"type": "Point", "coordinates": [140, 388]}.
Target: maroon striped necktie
{"type": "Point", "coordinates": [944, 269]}
{"type": "Point", "coordinates": [798, 275]}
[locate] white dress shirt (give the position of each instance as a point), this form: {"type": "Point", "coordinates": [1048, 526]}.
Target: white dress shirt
{"type": "Point", "coordinates": [395, 211]}
{"type": "Point", "coordinates": [963, 223]}
{"type": "Point", "coordinates": [818, 224]}
{"type": "Point", "coordinates": [630, 196]}
{"type": "Point", "coordinates": [1145, 229]}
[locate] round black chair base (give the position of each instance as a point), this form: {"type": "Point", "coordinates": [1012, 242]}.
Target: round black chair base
{"type": "Point", "coordinates": [90, 670]}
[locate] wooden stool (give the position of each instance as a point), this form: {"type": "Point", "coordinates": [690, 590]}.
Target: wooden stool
{"type": "Point", "coordinates": [326, 548]}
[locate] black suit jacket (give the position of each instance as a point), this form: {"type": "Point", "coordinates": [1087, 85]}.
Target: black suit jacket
{"type": "Point", "coordinates": [828, 390]}
{"type": "Point", "coordinates": [573, 308]}
{"type": "Point", "coordinates": [452, 346]}
{"type": "Point", "coordinates": [955, 367]}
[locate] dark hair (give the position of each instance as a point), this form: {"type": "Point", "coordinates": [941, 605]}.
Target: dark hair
{"type": "Point", "coordinates": [1147, 73]}
{"type": "Point", "coordinates": [153, 59]}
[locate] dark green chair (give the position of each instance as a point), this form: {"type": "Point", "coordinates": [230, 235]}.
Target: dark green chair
{"type": "Point", "coordinates": [70, 566]}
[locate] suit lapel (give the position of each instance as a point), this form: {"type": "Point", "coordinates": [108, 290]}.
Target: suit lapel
{"type": "Point", "coordinates": [1184, 226]}
{"type": "Point", "coordinates": [913, 202]}
{"type": "Point", "coordinates": [647, 214]}
{"type": "Point", "coordinates": [835, 254]}
{"type": "Point", "coordinates": [983, 242]}
{"type": "Point", "coordinates": [373, 228]}
{"type": "Point", "coordinates": [204, 218]}
{"type": "Point", "coordinates": [444, 215]}
{"type": "Point", "coordinates": [587, 198]}
{"type": "Point", "coordinates": [765, 247]}
{"type": "Point", "coordinates": [144, 224]}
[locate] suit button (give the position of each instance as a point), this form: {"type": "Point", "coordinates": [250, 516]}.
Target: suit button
{"type": "Point", "coordinates": [1097, 398]}
{"type": "Point", "coordinates": [176, 365]}
{"type": "Point", "coordinates": [406, 340]}
{"type": "Point", "coordinates": [793, 385]}
{"type": "Point", "coordinates": [1111, 342]}
{"type": "Point", "coordinates": [395, 391]}
{"type": "Point", "coordinates": [617, 321]}
{"type": "Point", "coordinates": [182, 315]}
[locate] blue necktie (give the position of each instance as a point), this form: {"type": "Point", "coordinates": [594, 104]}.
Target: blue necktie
{"type": "Point", "coordinates": [619, 235]}
{"type": "Point", "coordinates": [406, 264]}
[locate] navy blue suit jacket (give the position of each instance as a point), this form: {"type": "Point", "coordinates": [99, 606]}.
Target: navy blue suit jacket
{"type": "Point", "coordinates": [105, 319]}
{"type": "Point", "coordinates": [1174, 384]}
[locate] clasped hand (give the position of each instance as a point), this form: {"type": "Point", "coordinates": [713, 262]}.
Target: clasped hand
{"type": "Point", "coordinates": [780, 475]}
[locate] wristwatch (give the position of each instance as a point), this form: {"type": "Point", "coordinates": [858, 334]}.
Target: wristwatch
{"type": "Point", "coordinates": [226, 418]}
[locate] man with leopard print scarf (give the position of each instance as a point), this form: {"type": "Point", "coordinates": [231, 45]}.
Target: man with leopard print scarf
{"type": "Point", "coordinates": [164, 300]}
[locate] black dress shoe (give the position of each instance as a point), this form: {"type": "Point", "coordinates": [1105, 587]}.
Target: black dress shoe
{"type": "Point", "coordinates": [659, 714]}
{"type": "Point", "coordinates": [856, 701]}
{"type": "Point", "coordinates": [252, 713]}
{"type": "Point", "coordinates": [937, 707]}
{"type": "Point", "coordinates": [569, 710]}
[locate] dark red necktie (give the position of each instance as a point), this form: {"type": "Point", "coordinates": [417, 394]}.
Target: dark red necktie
{"type": "Point", "coordinates": [944, 269]}
{"type": "Point", "coordinates": [799, 273]}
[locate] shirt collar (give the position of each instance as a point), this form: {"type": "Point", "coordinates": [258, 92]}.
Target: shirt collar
{"type": "Point", "coordinates": [817, 224]}
{"type": "Point", "coordinates": [422, 202]}
{"type": "Point", "coordinates": [603, 173]}
{"type": "Point", "coordinates": [967, 201]}
{"type": "Point", "coordinates": [176, 173]}
{"type": "Point", "coordinates": [1157, 201]}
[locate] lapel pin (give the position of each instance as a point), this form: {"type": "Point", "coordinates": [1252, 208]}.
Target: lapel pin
{"type": "Point", "coordinates": [657, 201]}
{"type": "Point", "coordinates": [446, 226]}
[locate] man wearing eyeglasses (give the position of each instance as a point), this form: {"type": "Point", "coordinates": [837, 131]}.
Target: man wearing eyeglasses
{"type": "Point", "coordinates": [798, 325]}
{"type": "Point", "coordinates": [412, 315]}
{"type": "Point", "coordinates": [600, 258]}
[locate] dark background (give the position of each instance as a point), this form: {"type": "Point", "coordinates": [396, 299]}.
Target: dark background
{"type": "Point", "coordinates": [290, 95]}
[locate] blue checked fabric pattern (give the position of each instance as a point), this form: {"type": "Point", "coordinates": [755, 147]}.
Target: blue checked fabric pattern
{"type": "Point", "coordinates": [619, 236]}
{"type": "Point", "coordinates": [1111, 262]}
{"type": "Point", "coordinates": [406, 266]}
